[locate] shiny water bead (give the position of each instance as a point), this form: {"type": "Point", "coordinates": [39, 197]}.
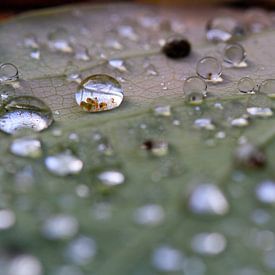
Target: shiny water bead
{"type": "Point", "coordinates": [259, 105]}
{"type": "Point", "coordinates": [208, 199]}
{"type": "Point", "coordinates": [35, 54]}
{"type": "Point", "coordinates": [235, 55]}
{"type": "Point", "coordinates": [118, 64]}
{"type": "Point", "coordinates": [260, 111]}
{"type": "Point", "coordinates": [81, 53]}
{"type": "Point", "coordinates": [210, 69]}
{"type": "Point", "coordinates": [7, 219]}
{"type": "Point", "coordinates": [30, 41]}
{"type": "Point", "coordinates": [195, 84]}
{"type": "Point", "coordinates": [99, 93]}
{"type": "Point", "coordinates": [26, 147]}
{"type": "Point", "coordinates": [246, 85]}
{"type": "Point", "coordinates": [204, 123]}
{"type": "Point", "coordinates": [209, 243]}
{"type": "Point", "coordinates": [164, 110]}
{"type": "Point", "coordinates": [176, 47]}
{"type": "Point", "coordinates": [268, 87]}
{"type": "Point", "coordinates": [59, 40]}
{"type": "Point", "coordinates": [128, 32]}
{"type": "Point", "coordinates": [150, 70]}
{"type": "Point", "coordinates": [156, 147]}
{"type": "Point", "coordinates": [24, 112]}
{"type": "Point", "coordinates": [8, 73]}
{"type": "Point", "coordinates": [265, 192]}
{"type": "Point", "coordinates": [64, 164]}
{"type": "Point", "coordinates": [111, 178]}
{"type": "Point", "coordinates": [223, 29]}
{"type": "Point", "coordinates": [240, 122]}
{"type": "Point", "coordinates": [72, 73]}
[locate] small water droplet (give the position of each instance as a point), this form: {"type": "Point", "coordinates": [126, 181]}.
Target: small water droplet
{"type": "Point", "coordinates": [195, 85]}
{"type": "Point", "coordinates": [119, 65]}
{"type": "Point", "coordinates": [157, 148]}
{"type": "Point", "coordinates": [7, 219]}
{"type": "Point", "coordinates": [246, 85]}
{"type": "Point", "coordinates": [8, 73]}
{"type": "Point", "coordinates": [204, 123]}
{"type": "Point", "coordinates": [260, 111]}
{"type": "Point", "coordinates": [113, 43]}
{"type": "Point", "coordinates": [167, 259]}
{"type": "Point", "coordinates": [223, 29]}
{"type": "Point", "coordinates": [176, 47]}
{"type": "Point", "coordinates": [128, 32]}
{"type": "Point", "coordinates": [59, 40]}
{"type": "Point", "coordinates": [63, 164]}
{"type": "Point", "coordinates": [235, 55]}
{"type": "Point", "coordinates": [30, 41]}
{"type": "Point", "coordinates": [72, 73]}
{"type": "Point", "coordinates": [26, 147]}
{"type": "Point", "coordinates": [99, 93]}
{"type": "Point", "coordinates": [151, 214]}
{"type": "Point", "coordinates": [35, 54]}
{"type": "Point", "coordinates": [111, 178]}
{"type": "Point", "coordinates": [239, 122]}
{"type": "Point", "coordinates": [24, 112]}
{"type": "Point", "coordinates": [164, 110]}
{"type": "Point", "coordinates": [267, 87]}
{"type": "Point", "coordinates": [265, 192]}
{"type": "Point", "coordinates": [209, 243]}
{"type": "Point", "coordinates": [81, 53]}
{"type": "Point", "coordinates": [150, 70]}
{"type": "Point", "coordinates": [210, 69]}
{"type": "Point", "coordinates": [208, 199]}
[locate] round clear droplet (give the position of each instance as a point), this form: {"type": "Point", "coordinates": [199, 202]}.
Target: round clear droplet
{"type": "Point", "coordinates": [246, 85]}
{"type": "Point", "coordinates": [99, 93]}
{"type": "Point", "coordinates": [59, 40]}
{"type": "Point", "coordinates": [26, 147]}
{"type": "Point", "coordinates": [195, 89]}
{"type": "Point", "coordinates": [24, 112]}
{"type": "Point", "coordinates": [268, 87]}
{"type": "Point", "coordinates": [210, 69]}
{"type": "Point", "coordinates": [8, 72]}
{"type": "Point", "coordinates": [235, 55]}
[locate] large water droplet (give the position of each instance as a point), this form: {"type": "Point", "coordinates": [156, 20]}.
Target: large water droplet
{"type": "Point", "coordinates": [111, 178]}
{"type": "Point", "coordinates": [25, 112]}
{"type": "Point", "coordinates": [246, 85]}
{"type": "Point", "coordinates": [63, 164]}
{"type": "Point", "coordinates": [210, 69]}
{"type": "Point", "coordinates": [99, 93]}
{"type": "Point", "coordinates": [235, 55]}
{"type": "Point", "coordinates": [195, 84]}
{"type": "Point", "coordinates": [265, 192]}
{"type": "Point", "coordinates": [208, 199]}
{"type": "Point", "coordinates": [8, 73]}
{"type": "Point", "coordinates": [26, 147]}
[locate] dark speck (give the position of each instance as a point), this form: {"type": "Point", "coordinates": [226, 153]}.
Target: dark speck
{"type": "Point", "coordinates": [177, 48]}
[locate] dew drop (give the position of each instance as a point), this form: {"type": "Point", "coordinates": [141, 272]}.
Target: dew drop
{"type": "Point", "coordinates": [257, 20]}
{"type": "Point", "coordinates": [235, 55]}
{"type": "Point", "coordinates": [268, 87]}
{"type": "Point", "coordinates": [265, 192]}
{"type": "Point", "coordinates": [111, 178]}
{"type": "Point", "coordinates": [30, 41]}
{"type": "Point", "coordinates": [204, 123]}
{"type": "Point", "coordinates": [118, 64]}
{"type": "Point", "coordinates": [81, 53]}
{"type": "Point", "coordinates": [176, 47]}
{"type": "Point", "coordinates": [151, 214]}
{"type": "Point", "coordinates": [210, 69]}
{"type": "Point", "coordinates": [26, 147]}
{"type": "Point", "coordinates": [113, 43]}
{"type": "Point", "coordinates": [209, 243]}
{"type": "Point", "coordinates": [260, 111]}
{"type": "Point", "coordinates": [128, 32]}
{"type": "Point", "coordinates": [222, 29]}
{"type": "Point", "coordinates": [72, 73]}
{"type": "Point", "coordinates": [25, 112]}
{"type": "Point", "coordinates": [64, 164]}
{"type": "Point", "coordinates": [239, 122]}
{"type": "Point", "coordinates": [208, 199]}
{"type": "Point", "coordinates": [60, 227]}
{"type": "Point", "coordinates": [35, 54]}
{"type": "Point", "coordinates": [150, 70]}
{"type": "Point", "coordinates": [99, 93]}
{"type": "Point", "coordinates": [8, 73]}
{"type": "Point", "coordinates": [164, 111]}
{"type": "Point", "coordinates": [7, 219]}
{"type": "Point", "coordinates": [246, 85]}
{"type": "Point", "coordinates": [58, 40]}
{"type": "Point", "coordinates": [195, 84]}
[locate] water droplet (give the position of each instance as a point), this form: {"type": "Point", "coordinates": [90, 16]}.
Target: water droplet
{"type": "Point", "coordinates": [58, 40]}
{"type": "Point", "coordinates": [265, 192]}
{"type": "Point", "coordinates": [248, 155]}
{"type": "Point", "coordinates": [204, 123]}
{"type": "Point", "coordinates": [176, 47]}
{"type": "Point", "coordinates": [268, 87]}
{"type": "Point", "coordinates": [157, 148]}
{"type": "Point", "coordinates": [164, 110]}
{"type": "Point", "coordinates": [7, 219]}
{"type": "Point", "coordinates": [195, 85]}
{"type": "Point", "coordinates": [118, 64]}
{"type": "Point", "coordinates": [82, 250]}
{"type": "Point", "coordinates": [24, 112]}
{"type": "Point", "coordinates": [151, 214]}
{"type": "Point", "coordinates": [111, 178]}
{"type": "Point", "coordinates": [239, 122]}
{"type": "Point", "coordinates": [223, 29]}
{"type": "Point", "coordinates": [30, 41]}
{"type": "Point", "coordinates": [208, 199]}
{"type": "Point", "coordinates": [128, 32]}
{"type": "Point", "coordinates": [260, 111]}
{"type": "Point", "coordinates": [72, 73]}
{"type": "Point", "coordinates": [60, 227]}
{"type": "Point", "coordinates": [167, 259]}
{"type": "Point", "coordinates": [63, 164]}
{"type": "Point", "coordinates": [82, 190]}
{"type": "Point", "coordinates": [260, 216]}
{"type": "Point", "coordinates": [81, 53]}
{"type": "Point", "coordinates": [113, 43]}
{"type": "Point", "coordinates": [99, 93]}
{"type": "Point", "coordinates": [210, 69]}
{"type": "Point", "coordinates": [257, 20]}
{"type": "Point", "coordinates": [8, 73]}
{"type": "Point", "coordinates": [150, 70]}
{"type": "Point", "coordinates": [209, 243]}
{"type": "Point", "coordinates": [235, 55]}
{"type": "Point", "coordinates": [25, 265]}
{"type": "Point", "coordinates": [35, 54]}
{"type": "Point", "coordinates": [26, 147]}
{"type": "Point", "coordinates": [246, 85]}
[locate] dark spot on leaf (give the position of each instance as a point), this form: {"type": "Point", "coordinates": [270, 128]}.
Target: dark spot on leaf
{"type": "Point", "coordinates": [177, 48]}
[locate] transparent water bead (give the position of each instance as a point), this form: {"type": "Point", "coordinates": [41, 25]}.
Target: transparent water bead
{"type": "Point", "coordinates": [167, 259]}
{"type": "Point", "coordinates": [209, 243]}
{"type": "Point", "coordinates": [204, 123]}
{"type": "Point", "coordinates": [81, 53]}
{"type": "Point", "coordinates": [26, 147]}
{"type": "Point", "coordinates": [25, 264]}
{"type": "Point", "coordinates": [35, 54]}
{"type": "Point", "coordinates": [8, 73]}
{"type": "Point", "coordinates": [208, 199]}
{"type": "Point", "coordinates": [222, 29]}
{"type": "Point", "coordinates": [164, 110]}
{"type": "Point", "coordinates": [240, 122]}
{"type": "Point", "coordinates": [30, 41]}
{"type": "Point", "coordinates": [118, 64]}
{"type": "Point", "coordinates": [210, 69]}
{"type": "Point", "coordinates": [150, 70]}
{"type": "Point", "coordinates": [59, 40]}
{"type": "Point", "coordinates": [246, 85]}
{"type": "Point", "coordinates": [195, 85]}
{"type": "Point", "coordinates": [99, 93]}
{"type": "Point", "coordinates": [72, 73]}
{"type": "Point", "coordinates": [64, 164]}
{"type": "Point", "coordinates": [60, 227]}
{"type": "Point", "coordinates": [151, 214]}
{"type": "Point", "coordinates": [128, 32]}
{"type": "Point", "coordinates": [7, 219]}
{"type": "Point", "coordinates": [268, 87]}
{"type": "Point", "coordinates": [24, 112]}
{"type": "Point", "coordinates": [82, 250]}
{"type": "Point", "coordinates": [265, 192]}
{"type": "Point", "coordinates": [260, 111]}
{"type": "Point", "coordinates": [111, 178]}
{"type": "Point", "coordinates": [235, 55]}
